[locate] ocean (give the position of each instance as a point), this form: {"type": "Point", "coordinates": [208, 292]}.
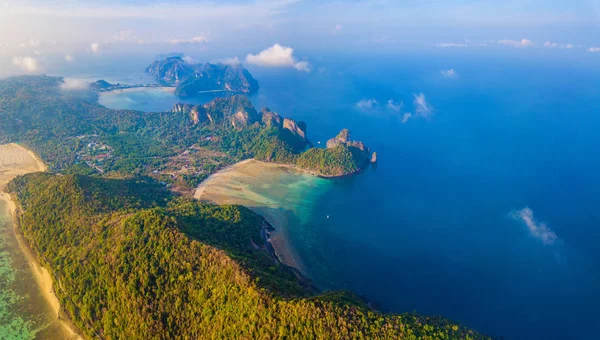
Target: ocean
{"type": "Point", "coordinates": [483, 205]}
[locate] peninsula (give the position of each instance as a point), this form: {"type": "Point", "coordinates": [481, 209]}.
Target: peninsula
{"type": "Point", "coordinates": [133, 255]}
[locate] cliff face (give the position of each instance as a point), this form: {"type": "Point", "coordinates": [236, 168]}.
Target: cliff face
{"type": "Point", "coordinates": [192, 79]}
{"type": "Point", "coordinates": [297, 129]}
{"type": "Point", "coordinates": [171, 70]}
{"type": "Point", "coordinates": [197, 113]}
{"type": "Point", "coordinates": [235, 110]}
{"type": "Point", "coordinates": [238, 111]}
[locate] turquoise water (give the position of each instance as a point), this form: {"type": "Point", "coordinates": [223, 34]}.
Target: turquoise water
{"type": "Point", "coordinates": [485, 212]}
{"type": "Point", "coordinates": [284, 196]}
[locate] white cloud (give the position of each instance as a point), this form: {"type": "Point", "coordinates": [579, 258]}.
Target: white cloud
{"type": "Point", "coordinates": [200, 39]}
{"type": "Point", "coordinates": [450, 73]}
{"type": "Point", "coordinates": [26, 63]}
{"type": "Point", "coordinates": [95, 47]}
{"type": "Point", "coordinates": [391, 105]}
{"type": "Point", "coordinates": [232, 61]}
{"type": "Point", "coordinates": [302, 66]}
{"type": "Point", "coordinates": [34, 42]}
{"type": "Point", "coordinates": [391, 108]}
{"type": "Point", "coordinates": [406, 117]}
{"type": "Point", "coordinates": [537, 229]}
{"type": "Point", "coordinates": [422, 108]}
{"type": "Point", "coordinates": [594, 49]}
{"type": "Point", "coordinates": [277, 56]}
{"type": "Point", "coordinates": [69, 58]}
{"type": "Point", "coordinates": [189, 59]}
{"type": "Point", "coordinates": [550, 44]}
{"type": "Point", "coordinates": [516, 43]}
{"type": "Point", "coordinates": [450, 45]}
{"type": "Point", "coordinates": [367, 104]}
{"type": "Point", "coordinates": [74, 84]}
{"type": "Point", "coordinates": [569, 46]}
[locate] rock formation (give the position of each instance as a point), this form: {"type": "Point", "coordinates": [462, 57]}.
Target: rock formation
{"type": "Point", "coordinates": [192, 79]}
{"type": "Point", "coordinates": [374, 158]}
{"type": "Point", "coordinates": [358, 149]}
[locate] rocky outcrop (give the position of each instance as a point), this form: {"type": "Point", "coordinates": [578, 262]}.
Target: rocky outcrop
{"type": "Point", "coordinates": [270, 118]}
{"type": "Point", "coordinates": [341, 138]}
{"type": "Point", "coordinates": [374, 158]}
{"type": "Point", "coordinates": [197, 113]}
{"type": "Point", "coordinates": [296, 128]}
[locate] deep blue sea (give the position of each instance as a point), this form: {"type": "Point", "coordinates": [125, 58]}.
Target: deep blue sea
{"type": "Point", "coordinates": [483, 208]}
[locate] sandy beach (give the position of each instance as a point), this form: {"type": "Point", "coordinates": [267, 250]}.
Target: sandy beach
{"type": "Point", "coordinates": [14, 161]}
{"type": "Point", "coordinates": [271, 190]}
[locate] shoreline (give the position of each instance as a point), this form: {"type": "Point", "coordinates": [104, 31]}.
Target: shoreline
{"type": "Point", "coordinates": [41, 275]}
{"type": "Point", "coordinates": [274, 215]}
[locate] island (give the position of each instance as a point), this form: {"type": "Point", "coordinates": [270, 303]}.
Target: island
{"type": "Point", "coordinates": [131, 253]}
{"type": "Point", "coordinates": [191, 79]}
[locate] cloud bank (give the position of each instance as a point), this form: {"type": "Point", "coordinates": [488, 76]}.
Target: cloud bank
{"type": "Point", "coordinates": [277, 56]}
{"type": "Point", "coordinates": [26, 63]}
{"type": "Point", "coordinates": [594, 49]}
{"type": "Point", "coordinates": [537, 229]}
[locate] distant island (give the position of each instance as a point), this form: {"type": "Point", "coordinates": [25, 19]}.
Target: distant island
{"type": "Point", "coordinates": [192, 79]}
{"type": "Point", "coordinates": [131, 254]}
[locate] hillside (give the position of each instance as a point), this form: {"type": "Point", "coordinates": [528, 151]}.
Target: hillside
{"type": "Point", "coordinates": [130, 261]}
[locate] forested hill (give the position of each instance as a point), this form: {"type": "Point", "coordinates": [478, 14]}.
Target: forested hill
{"type": "Point", "coordinates": [74, 134]}
{"type": "Point", "coordinates": [130, 261]}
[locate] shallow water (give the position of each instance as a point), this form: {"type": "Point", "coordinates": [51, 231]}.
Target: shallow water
{"type": "Point", "coordinates": [24, 313]}
{"type": "Point", "coordinates": [283, 195]}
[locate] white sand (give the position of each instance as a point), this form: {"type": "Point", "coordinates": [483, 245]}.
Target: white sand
{"type": "Point", "coordinates": [232, 185]}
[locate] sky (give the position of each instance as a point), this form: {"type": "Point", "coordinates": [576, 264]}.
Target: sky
{"type": "Point", "coordinates": [30, 31]}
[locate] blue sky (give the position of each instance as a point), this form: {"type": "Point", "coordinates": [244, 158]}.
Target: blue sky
{"type": "Point", "coordinates": [31, 29]}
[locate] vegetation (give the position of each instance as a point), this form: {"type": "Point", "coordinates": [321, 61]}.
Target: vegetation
{"type": "Point", "coordinates": [335, 161]}
{"type": "Point", "coordinates": [130, 261]}
{"type": "Point", "coordinates": [68, 128]}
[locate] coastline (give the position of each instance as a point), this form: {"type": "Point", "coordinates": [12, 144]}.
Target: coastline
{"type": "Point", "coordinates": [278, 192]}
{"type": "Point", "coordinates": [41, 275]}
